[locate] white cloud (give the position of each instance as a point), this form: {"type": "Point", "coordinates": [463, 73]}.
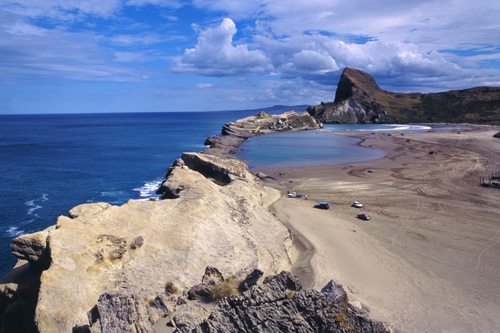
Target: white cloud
{"type": "Point", "coordinates": [431, 24]}
{"type": "Point", "coordinates": [215, 55]}
{"type": "Point", "coordinates": [205, 85]}
{"type": "Point", "coordinates": [161, 3]}
{"type": "Point", "coordinates": [310, 62]}
{"type": "Point", "coordinates": [141, 39]}
{"type": "Point", "coordinates": [64, 10]}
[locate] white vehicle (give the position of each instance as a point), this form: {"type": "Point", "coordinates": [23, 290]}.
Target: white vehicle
{"type": "Point", "coordinates": [357, 204]}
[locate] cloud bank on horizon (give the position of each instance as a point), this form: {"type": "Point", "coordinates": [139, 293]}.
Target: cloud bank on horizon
{"type": "Point", "coordinates": [172, 55]}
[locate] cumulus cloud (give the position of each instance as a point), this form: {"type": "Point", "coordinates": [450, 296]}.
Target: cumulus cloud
{"type": "Point", "coordinates": [395, 40]}
{"type": "Point", "coordinates": [215, 55]}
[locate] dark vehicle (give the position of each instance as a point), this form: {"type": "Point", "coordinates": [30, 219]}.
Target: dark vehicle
{"type": "Point", "coordinates": [364, 217]}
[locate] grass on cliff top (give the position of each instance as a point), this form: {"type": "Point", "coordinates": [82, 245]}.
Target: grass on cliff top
{"type": "Point", "coordinates": [225, 288]}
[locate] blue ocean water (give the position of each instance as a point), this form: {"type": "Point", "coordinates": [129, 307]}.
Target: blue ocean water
{"type": "Point", "coordinates": [51, 163]}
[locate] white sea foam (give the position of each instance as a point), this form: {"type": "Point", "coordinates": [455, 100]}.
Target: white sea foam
{"type": "Point", "coordinates": [148, 190]}
{"type": "Point", "coordinates": [397, 128]}
{"type": "Point", "coordinates": [113, 194]}
{"type": "Point", "coordinates": [14, 231]}
{"type": "Point", "coordinates": [376, 128]}
{"type": "Point", "coordinates": [34, 205]}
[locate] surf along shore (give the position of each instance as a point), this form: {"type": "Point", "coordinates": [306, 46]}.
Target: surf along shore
{"type": "Point", "coordinates": [429, 259]}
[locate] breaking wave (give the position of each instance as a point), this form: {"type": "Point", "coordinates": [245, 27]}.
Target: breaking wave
{"type": "Point", "coordinates": [148, 190]}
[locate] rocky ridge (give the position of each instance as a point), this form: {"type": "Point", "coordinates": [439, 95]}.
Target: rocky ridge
{"type": "Point", "coordinates": [359, 99]}
{"type": "Point", "coordinates": [235, 133]}
{"type": "Point", "coordinates": [136, 267]}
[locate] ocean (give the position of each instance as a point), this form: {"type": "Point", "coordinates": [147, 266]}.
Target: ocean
{"type": "Point", "coordinates": [51, 163]}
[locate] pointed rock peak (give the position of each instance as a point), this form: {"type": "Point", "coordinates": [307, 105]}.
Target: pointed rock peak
{"type": "Point", "coordinates": [355, 82]}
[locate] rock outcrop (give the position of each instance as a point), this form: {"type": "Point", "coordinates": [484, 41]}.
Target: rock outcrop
{"type": "Point", "coordinates": [235, 133]}
{"type": "Point", "coordinates": [359, 99]}
{"type": "Point", "coordinates": [281, 305]}
{"type": "Point", "coordinates": [137, 248]}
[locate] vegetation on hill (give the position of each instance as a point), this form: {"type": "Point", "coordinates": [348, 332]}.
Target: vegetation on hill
{"type": "Point", "coordinates": [480, 105]}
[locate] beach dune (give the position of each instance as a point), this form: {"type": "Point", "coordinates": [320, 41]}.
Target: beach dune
{"type": "Point", "coordinates": [429, 259]}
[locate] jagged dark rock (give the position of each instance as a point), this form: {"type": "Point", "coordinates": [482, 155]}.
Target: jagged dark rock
{"type": "Point", "coordinates": [212, 273]}
{"type": "Point", "coordinates": [360, 100]}
{"type": "Point", "coordinates": [202, 291]}
{"type": "Point", "coordinates": [250, 280]}
{"type": "Point", "coordinates": [115, 312]}
{"type": "Point", "coordinates": [279, 305]}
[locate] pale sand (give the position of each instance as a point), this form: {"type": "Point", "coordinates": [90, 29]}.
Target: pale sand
{"type": "Point", "coordinates": [429, 259]}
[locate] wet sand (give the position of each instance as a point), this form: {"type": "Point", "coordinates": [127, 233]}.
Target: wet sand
{"type": "Point", "coordinates": [429, 259]}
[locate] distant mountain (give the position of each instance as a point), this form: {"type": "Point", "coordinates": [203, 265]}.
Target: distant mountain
{"type": "Point", "coordinates": [280, 109]}
{"type": "Point", "coordinates": [359, 100]}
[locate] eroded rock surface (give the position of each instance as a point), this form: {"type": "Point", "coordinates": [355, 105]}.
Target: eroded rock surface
{"type": "Point", "coordinates": [136, 248]}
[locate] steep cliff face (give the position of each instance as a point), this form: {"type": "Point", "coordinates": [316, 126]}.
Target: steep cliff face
{"type": "Point", "coordinates": [359, 100]}
{"type": "Point", "coordinates": [139, 247]}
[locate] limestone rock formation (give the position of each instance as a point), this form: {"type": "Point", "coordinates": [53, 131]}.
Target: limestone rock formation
{"type": "Point", "coordinates": [359, 99]}
{"type": "Point", "coordinates": [235, 133]}
{"type": "Point", "coordinates": [33, 248]}
{"type": "Point", "coordinates": [218, 219]}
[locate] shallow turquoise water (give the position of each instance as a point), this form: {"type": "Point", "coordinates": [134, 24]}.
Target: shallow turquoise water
{"type": "Point", "coordinates": [299, 149]}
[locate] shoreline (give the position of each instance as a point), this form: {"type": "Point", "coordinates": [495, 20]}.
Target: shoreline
{"type": "Point", "coordinates": [427, 259]}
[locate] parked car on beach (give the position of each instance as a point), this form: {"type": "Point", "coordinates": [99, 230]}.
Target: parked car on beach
{"type": "Point", "coordinates": [323, 205]}
{"type": "Point", "coordinates": [364, 216]}
{"type": "Point", "coordinates": [357, 204]}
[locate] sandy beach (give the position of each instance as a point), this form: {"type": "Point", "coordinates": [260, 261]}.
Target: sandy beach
{"type": "Point", "coordinates": [429, 258]}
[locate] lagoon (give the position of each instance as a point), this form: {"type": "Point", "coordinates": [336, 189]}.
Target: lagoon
{"type": "Point", "coordinates": [315, 148]}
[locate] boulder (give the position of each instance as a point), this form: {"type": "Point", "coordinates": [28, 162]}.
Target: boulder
{"type": "Point", "coordinates": [115, 312]}
{"type": "Point", "coordinates": [88, 209]}
{"type": "Point", "coordinates": [33, 248]}
{"type": "Point", "coordinates": [219, 170]}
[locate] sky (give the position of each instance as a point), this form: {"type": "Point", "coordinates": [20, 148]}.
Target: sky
{"type": "Point", "coordinates": [81, 56]}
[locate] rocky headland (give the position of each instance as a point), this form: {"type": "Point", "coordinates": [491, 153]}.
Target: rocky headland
{"type": "Point", "coordinates": [235, 133]}
{"type": "Point", "coordinates": [359, 99]}
{"type": "Point", "coordinates": [137, 267]}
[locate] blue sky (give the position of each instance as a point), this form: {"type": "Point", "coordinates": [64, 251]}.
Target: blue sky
{"type": "Point", "coordinates": [65, 56]}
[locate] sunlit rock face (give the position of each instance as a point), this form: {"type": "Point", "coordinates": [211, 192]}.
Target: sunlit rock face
{"type": "Point", "coordinates": [218, 218]}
